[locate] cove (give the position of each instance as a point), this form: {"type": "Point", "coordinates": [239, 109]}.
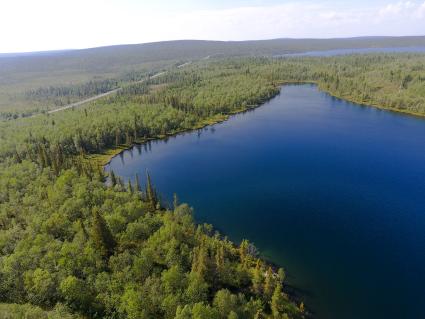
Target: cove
{"type": "Point", "coordinates": [332, 191]}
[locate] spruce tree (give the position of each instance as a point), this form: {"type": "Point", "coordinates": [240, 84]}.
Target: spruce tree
{"type": "Point", "coordinates": [101, 235]}
{"type": "Point", "coordinates": [219, 258]}
{"type": "Point", "coordinates": [257, 278]}
{"type": "Point", "coordinates": [269, 283]}
{"type": "Point", "coordinates": [121, 183]}
{"type": "Point", "coordinates": [130, 187]}
{"type": "Point", "coordinates": [150, 192]}
{"type": "Point", "coordinates": [18, 158]}
{"type": "Point", "coordinates": [200, 261]}
{"type": "Point", "coordinates": [60, 156]}
{"type": "Point", "coordinates": [175, 201]}
{"type": "Point", "coordinates": [113, 178]}
{"type": "Point", "coordinates": [281, 274]}
{"type": "Point", "coordinates": [138, 187]}
{"type": "Point", "coordinates": [278, 302]}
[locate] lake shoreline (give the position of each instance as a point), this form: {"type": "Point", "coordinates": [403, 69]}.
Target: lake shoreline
{"type": "Point", "coordinates": [355, 101]}
{"type": "Point", "coordinates": [104, 158]}
{"type": "Point", "coordinates": [294, 293]}
{"type": "Point", "coordinates": [370, 104]}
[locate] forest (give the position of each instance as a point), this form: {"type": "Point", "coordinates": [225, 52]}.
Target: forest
{"type": "Point", "coordinates": [76, 70]}
{"type": "Point", "coordinates": [74, 246]}
{"type": "Point", "coordinates": [210, 90]}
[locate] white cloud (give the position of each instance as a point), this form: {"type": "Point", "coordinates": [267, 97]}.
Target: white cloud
{"type": "Point", "coordinates": [55, 24]}
{"type": "Point", "coordinates": [402, 8]}
{"type": "Point", "coordinates": [306, 20]}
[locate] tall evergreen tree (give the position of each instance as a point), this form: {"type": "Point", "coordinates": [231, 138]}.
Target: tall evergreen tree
{"type": "Point", "coordinates": [200, 261]}
{"type": "Point", "coordinates": [278, 302]}
{"type": "Point", "coordinates": [150, 191]}
{"type": "Point", "coordinates": [137, 186]}
{"type": "Point", "coordinates": [113, 178]}
{"type": "Point", "coordinates": [257, 278]}
{"type": "Point", "coordinates": [101, 235]}
{"type": "Point", "coordinates": [175, 201]}
{"type": "Point", "coordinates": [129, 186]}
{"type": "Point", "coordinates": [269, 283]}
{"type": "Point", "coordinates": [282, 275]}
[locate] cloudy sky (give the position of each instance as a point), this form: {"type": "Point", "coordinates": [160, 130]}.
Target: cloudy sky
{"type": "Point", "coordinates": [29, 25]}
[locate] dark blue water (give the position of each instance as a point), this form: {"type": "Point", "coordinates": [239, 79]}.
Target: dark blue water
{"type": "Point", "coordinates": [327, 53]}
{"type": "Point", "coordinates": [333, 191]}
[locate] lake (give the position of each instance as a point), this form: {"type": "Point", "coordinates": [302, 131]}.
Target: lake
{"type": "Point", "coordinates": [335, 52]}
{"type": "Point", "coordinates": [331, 190]}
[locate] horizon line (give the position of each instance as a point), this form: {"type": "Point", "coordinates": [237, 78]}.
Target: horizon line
{"type": "Point", "coordinates": [23, 53]}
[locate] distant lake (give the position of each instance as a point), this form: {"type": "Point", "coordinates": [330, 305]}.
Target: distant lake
{"type": "Point", "coordinates": [327, 53]}
{"type": "Point", "coordinates": [333, 191]}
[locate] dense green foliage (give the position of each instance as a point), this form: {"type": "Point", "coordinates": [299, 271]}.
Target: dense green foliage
{"type": "Point", "coordinates": [51, 74]}
{"type": "Point", "coordinates": [112, 252]}
{"type": "Point", "coordinates": [191, 97]}
{"type": "Point", "coordinates": [27, 311]}
{"type": "Point", "coordinates": [186, 98]}
{"type": "Point", "coordinates": [58, 93]}
{"type": "Point", "coordinates": [389, 81]}
{"type": "Point", "coordinates": [72, 245]}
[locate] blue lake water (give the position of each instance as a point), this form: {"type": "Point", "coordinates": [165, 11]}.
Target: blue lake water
{"type": "Point", "coordinates": [332, 191]}
{"type": "Point", "coordinates": [328, 53]}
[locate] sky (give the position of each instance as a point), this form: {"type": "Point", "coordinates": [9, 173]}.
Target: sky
{"type": "Point", "coordinates": [29, 25]}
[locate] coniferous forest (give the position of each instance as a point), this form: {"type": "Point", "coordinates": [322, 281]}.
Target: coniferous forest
{"type": "Point", "coordinates": [75, 246]}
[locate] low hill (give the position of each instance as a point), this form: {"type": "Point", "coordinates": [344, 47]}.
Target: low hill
{"type": "Point", "coordinates": [22, 74]}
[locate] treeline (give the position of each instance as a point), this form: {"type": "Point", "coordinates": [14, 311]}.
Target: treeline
{"type": "Point", "coordinates": [17, 101]}
{"type": "Point", "coordinates": [74, 245]}
{"type": "Point", "coordinates": [135, 113]}
{"type": "Point", "coordinates": [71, 242]}
{"type": "Point", "coordinates": [65, 94]}
{"type": "Point", "coordinates": [388, 81]}
{"type": "Point", "coordinates": [185, 98]}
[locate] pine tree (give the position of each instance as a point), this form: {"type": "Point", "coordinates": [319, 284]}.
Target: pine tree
{"type": "Point", "coordinates": [219, 257]}
{"type": "Point", "coordinates": [282, 275]}
{"type": "Point", "coordinates": [60, 156]}
{"type": "Point", "coordinates": [150, 192]}
{"type": "Point", "coordinates": [55, 166]}
{"type": "Point", "coordinates": [101, 235]}
{"type": "Point", "coordinates": [42, 156]}
{"type": "Point", "coordinates": [121, 183]}
{"type": "Point", "coordinates": [117, 137]}
{"type": "Point", "coordinates": [130, 187]}
{"type": "Point", "coordinates": [83, 228]}
{"type": "Point", "coordinates": [138, 187]}
{"type": "Point", "coordinates": [257, 278]}
{"type": "Point", "coordinates": [243, 251]}
{"type": "Point", "coordinates": [113, 178]}
{"type": "Point", "coordinates": [278, 302]}
{"type": "Point", "coordinates": [135, 126]}
{"type": "Point", "coordinates": [220, 262]}
{"type": "Point", "coordinates": [269, 283]}
{"type": "Point", "coordinates": [175, 201]}
{"type": "Point", "coordinates": [200, 260]}
{"type": "Point", "coordinates": [18, 158]}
